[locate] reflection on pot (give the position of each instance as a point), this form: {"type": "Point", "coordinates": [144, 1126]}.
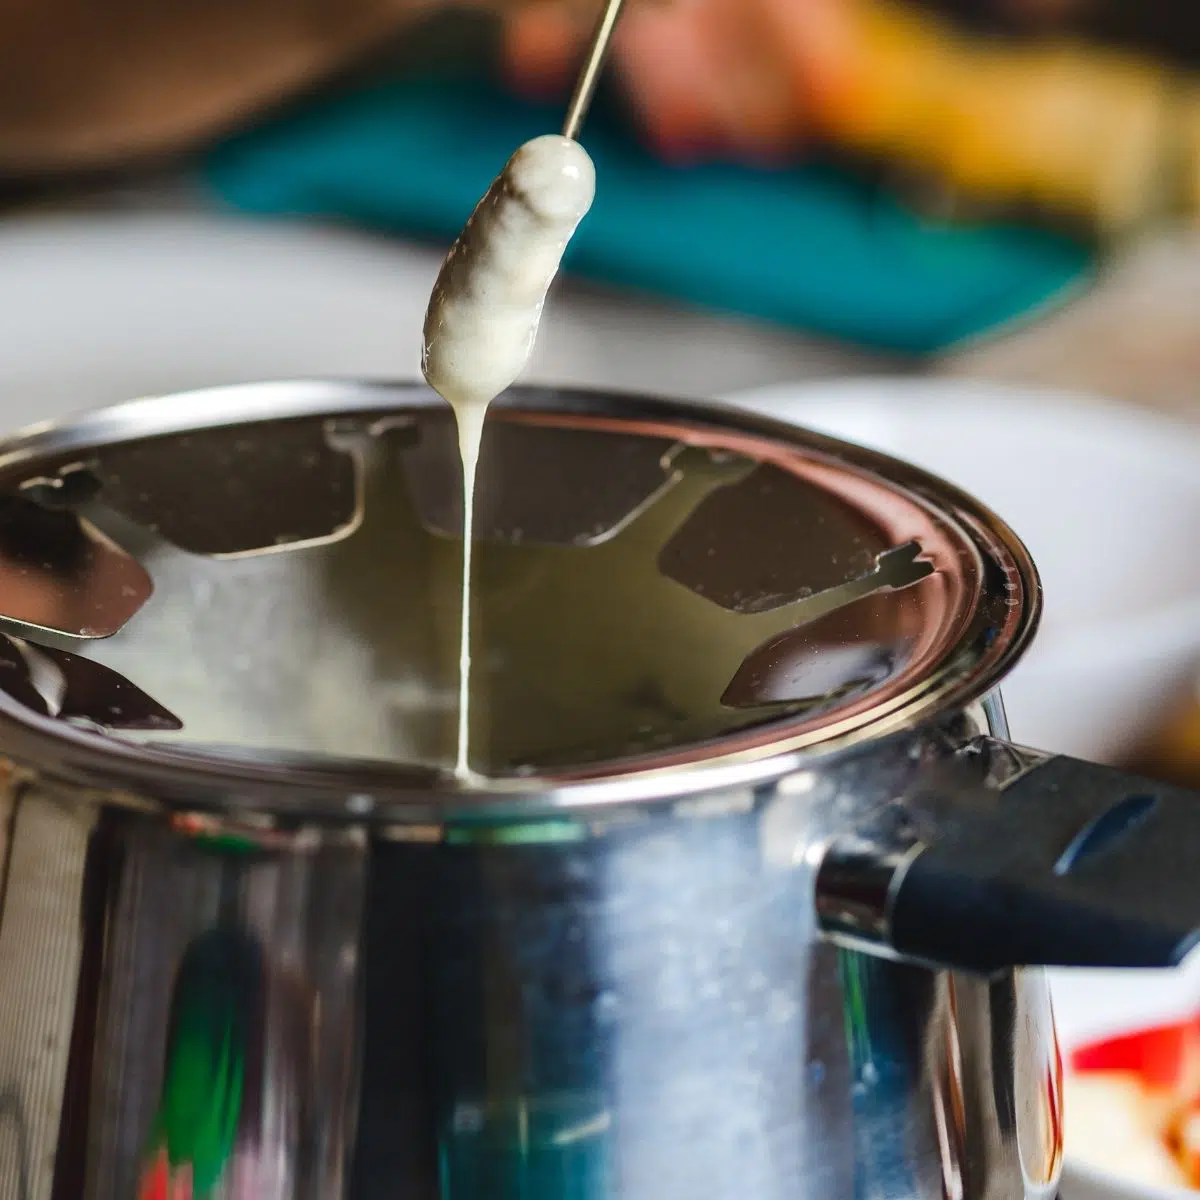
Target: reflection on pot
{"type": "Point", "coordinates": [211, 1102]}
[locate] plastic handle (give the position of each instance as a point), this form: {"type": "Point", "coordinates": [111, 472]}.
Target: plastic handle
{"type": "Point", "coordinates": [1076, 865]}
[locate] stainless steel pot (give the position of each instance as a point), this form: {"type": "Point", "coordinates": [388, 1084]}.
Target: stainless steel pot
{"type": "Point", "coordinates": [744, 903]}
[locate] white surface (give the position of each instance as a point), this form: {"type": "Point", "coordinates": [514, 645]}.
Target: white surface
{"type": "Point", "coordinates": [1080, 1182]}
{"type": "Point", "coordinates": [1091, 1005]}
{"type": "Point", "coordinates": [1107, 498]}
{"type": "Point", "coordinates": [100, 308]}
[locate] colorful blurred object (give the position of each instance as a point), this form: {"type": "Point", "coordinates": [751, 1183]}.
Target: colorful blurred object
{"type": "Point", "coordinates": [210, 1087]}
{"type": "Point", "coordinates": [1079, 111]}
{"type": "Point", "coordinates": [1150, 1081]}
{"type": "Point", "coordinates": [1070, 129]}
{"type": "Point", "coordinates": [1167, 1056]}
{"type": "Point", "coordinates": [1174, 754]}
{"type": "Point", "coordinates": [161, 1182]}
{"type": "Point", "coordinates": [1020, 106]}
{"type": "Point", "coordinates": [811, 246]}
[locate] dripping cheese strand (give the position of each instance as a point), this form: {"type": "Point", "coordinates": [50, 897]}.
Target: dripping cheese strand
{"type": "Point", "coordinates": [484, 313]}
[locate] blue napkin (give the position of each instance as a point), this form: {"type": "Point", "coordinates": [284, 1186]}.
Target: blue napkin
{"type": "Point", "coordinates": [807, 247]}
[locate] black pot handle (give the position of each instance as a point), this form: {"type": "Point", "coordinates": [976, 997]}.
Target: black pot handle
{"type": "Point", "coordinates": [1073, 864]}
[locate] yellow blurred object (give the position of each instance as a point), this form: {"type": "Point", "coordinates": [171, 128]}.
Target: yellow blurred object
{"type": "Point", "coordinates": [1113, 1124]}
{"type": "Point", "coordinates": [1187, 150]}
{"type": "Point", "coordinates": [1174, 755]}
{"type": "Point", "coordinates": [1070, 129]}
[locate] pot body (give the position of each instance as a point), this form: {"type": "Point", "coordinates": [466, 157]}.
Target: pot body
{"type": "Point", "coordinates": [626, 1006]}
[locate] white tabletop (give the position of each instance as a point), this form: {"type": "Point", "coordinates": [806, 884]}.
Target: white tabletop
{"type": "Point", "coordinates": [99, 307]}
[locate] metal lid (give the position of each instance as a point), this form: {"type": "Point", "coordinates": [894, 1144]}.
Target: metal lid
{"type": "Point", "coordinates": [258, 588]}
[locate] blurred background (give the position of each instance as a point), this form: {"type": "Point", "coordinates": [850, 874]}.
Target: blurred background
{"type": "Point", "coordinates": [985, 211]}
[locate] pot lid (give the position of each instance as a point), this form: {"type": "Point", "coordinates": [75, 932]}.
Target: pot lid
{"type": "Point", "coordinates": [267, 579]}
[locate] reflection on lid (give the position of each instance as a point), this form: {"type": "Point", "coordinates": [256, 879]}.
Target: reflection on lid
{"type": "Point", "coordinates": [634, 660]}
{"type": "Point", "coordinates": [768, 539]}
{"type": "Point", "coordinates": [642, 587]}
{"type": "Point", "coordinates": [559, 487]}
{"type": "Point", "coordinates": [845, 652]}
{"type": "Point", "coordinates": [223, 492]}
{"type": "Point", "coordinates": [236, 490]}
{"type": "Point", "coordinates": [58, 572]}
{"type": "Point", "coordinates": [55, 683]}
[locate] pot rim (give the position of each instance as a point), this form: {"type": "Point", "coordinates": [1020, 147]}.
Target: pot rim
{"type": "Point", "coordinates": [293, 788]}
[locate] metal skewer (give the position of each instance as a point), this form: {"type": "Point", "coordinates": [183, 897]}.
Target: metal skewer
{"type": "Point", "coordinates": [585, 85]}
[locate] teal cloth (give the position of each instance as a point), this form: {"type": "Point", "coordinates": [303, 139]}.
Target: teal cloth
{"type": "Point", "coordinates": [808, 247]}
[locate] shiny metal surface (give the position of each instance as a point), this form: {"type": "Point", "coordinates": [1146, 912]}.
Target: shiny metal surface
{"type": "Point", "coordinates": [58, 572]}
{"type": "Point", "coordinates": [585, 86]}
{"type": "Point", "coordinates": [728, 588]}
{"type": "Point", "coordinates": [863, 868]}
{"type": "Point", "coordinates": [178, 1004]}
{"type": "Point", "coordinates": [618, 1007]}
{"type": "Point", "coordinates": [580, 983]}
{"type": "Point", "coordinates": [855, 884]}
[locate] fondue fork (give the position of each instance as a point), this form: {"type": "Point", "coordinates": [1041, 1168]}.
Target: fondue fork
{"type": "Point", "coordinates": [589, 74]}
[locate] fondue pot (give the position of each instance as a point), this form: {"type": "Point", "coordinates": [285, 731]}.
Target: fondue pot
{"type": "Point", "coordinates": [748, 894]}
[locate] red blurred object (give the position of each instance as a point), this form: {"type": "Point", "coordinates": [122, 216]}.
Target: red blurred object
{"type": "Point", "coordinates": [1167, 1056]}
{"type": "Point", "coordinates": [1165, 1062]}
{"type": "Point", "coordinates": [158, 1182]}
